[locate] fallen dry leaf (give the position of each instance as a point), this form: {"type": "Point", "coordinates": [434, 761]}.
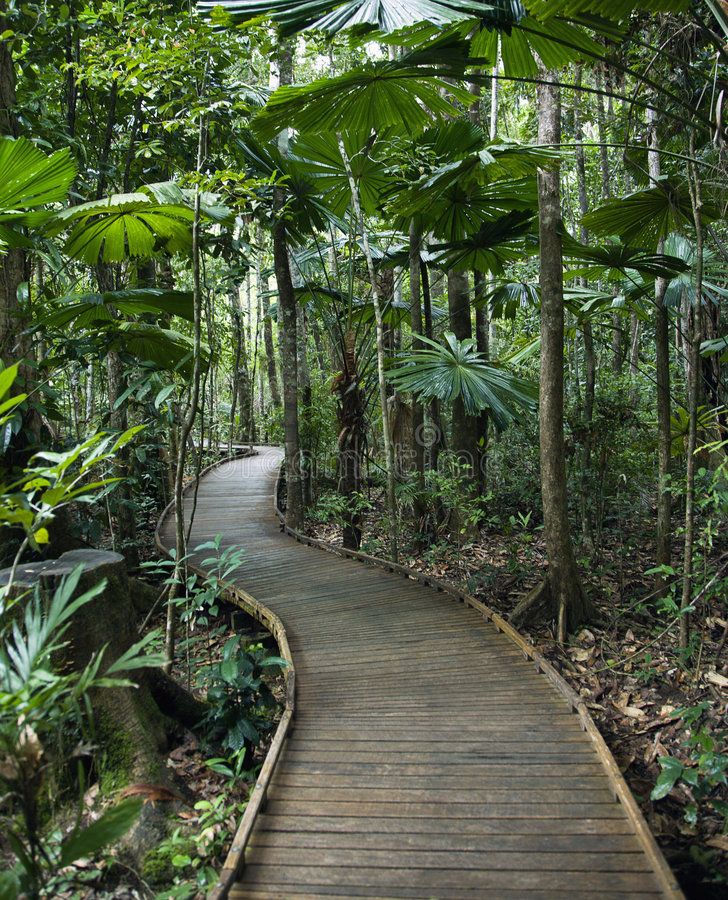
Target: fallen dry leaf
{"type": "Point", "coordinates": [716, 678]}
{"type": "Point", "coordinates": [633, 712]}
{"type": "Point", "coordinates": [720, 842]}
{"type": "Point", "coordinates": [151, 793]}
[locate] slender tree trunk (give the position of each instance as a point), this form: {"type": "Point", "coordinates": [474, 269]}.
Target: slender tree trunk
{"type": "Point", "coordinates": [494, 95]}
{"type": "Point", "coordinates": [270, 355]}
{"type": "Point", "coordinates": [589, 354]}
{"type": "Point", "coordinates": [304, 381]}
{"type": "Point", "coordinates": [288, 329]}
{"type": "Point", "coordinates": [465, 428]}
{"type": "Point", "coordinates": [418, 412]}
{"type": "Point", "coordinates": [351, 413]}
{"type": "Point", "coordinates": [386, 432]}
{"type": "Point", "coordinates": [289, 369]}
{"type": "Point", "coordinates": [189, 419]}
{"type": "Point", "coordinates": [634, 345]}
{"type": "Point", "coordinates": [696, 337]}
{"type": "Point", "coordinates": [13, 267]}
{"type": "Point", "coordinates": [662, 376]}
{"type": "Point", "coordinates": [482, 343]}
{"type": "Point", "coordinates": [567, 595]}
{"type": "Point", "coordinates": [438, 440]}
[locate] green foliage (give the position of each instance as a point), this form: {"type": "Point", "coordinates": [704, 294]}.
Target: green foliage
{"type": "Point", "coordinates": [458, 370]}
{"type": "Point", "coordinates": [703, 772]}
{"type": "Point", "coordinates": [331, 506]}
{"type": "Point", "coordinates": [31, 180]}
{"type": "Point", "coordinates": [122, 226]}
{"type": "Point", "coordinates": [43, 705]}
{"type": "Point", "coordinates": [645, 217]}
{"type": "Point", "coordinates": [241, 703]}
{"type": "Point", "coordinates": [385, 94]}
{"type": "Point", "coordinates": [89, 310]}
{"type": "Point", "coordinates": [183, 860]}
{"type": "Point", "coordinates": [53, 480]}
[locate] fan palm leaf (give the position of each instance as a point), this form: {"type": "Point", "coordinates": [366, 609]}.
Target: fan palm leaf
{"type": "Point", "coordinates": [402, 94]}
{"type": "Point", "coordinates": [334, 16]}
{"type": "Point", "coordinates": [488, 249]}
{"type": "Point", "coordinates": [457, 370]}
{"type": "Point", "coordinates": [89, 310]}
{"type": "Point", "coordinates": [122, 226]}
{"type": "Point", "coordinates": [645, 217]}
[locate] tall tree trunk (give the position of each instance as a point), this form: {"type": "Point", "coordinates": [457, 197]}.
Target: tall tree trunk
{"type": "Point", "coordinates": [241, 387]}
{"type": "Point", "coordinates": [662, 376]}
{"type": "Point", "coordinates": [288, 334]}
{"type": "Point", "coordinates": [119, 421]}
{"type": "Point", "coordinates": [589, 355]}
{"type": "Point", "coordinates": [482, 343]}
{"type": "Point", "coordinates": [418, 412]}
{"type": "Point", "coordinates": [438, 438]}
{"type": "Point", "coordinates": [696, 337]}
{"type": "Point", "coordinates": [304, 381]}
{"type": "Point", "coordinates": [351, 414]}
{"type": "Point", "coordinates": [379, 322]}
{"type": "Point", "coordinates": [13, 265]}
{"type": "Point", "coordinates": [464, 427]}
{"type": "Point", "coordinates": [289, 368]}
{"type": "Point", "coordinates": [567, 595]}
{"type": "Point", "coordinates": [189, 420]}
{"type": "Point", "coordinates": [270, 355]}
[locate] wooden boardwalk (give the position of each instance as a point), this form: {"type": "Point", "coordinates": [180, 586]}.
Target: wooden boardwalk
{"type": "Point", "coordinates": [429, 757]}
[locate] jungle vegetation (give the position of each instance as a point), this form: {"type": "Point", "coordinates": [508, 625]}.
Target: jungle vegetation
{"type": "Point", "coordinates": [466, 261]}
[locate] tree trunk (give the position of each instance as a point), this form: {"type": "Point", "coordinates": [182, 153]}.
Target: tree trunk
{"type": "Point", "coordinates": [13, 265]}
{"type": "Point", "coordinates": [289, 370]}
{"type": "Point", "coordinates": [351, 413]}
{"type": "Point", "coordinates": [567, 596]}
{"type": "Point", "coordinates": [386, 432]}
{"type": "Point", "coordinates": [304, 381]}
{"type": "Point", "coordinates": [288, 335]}
{"type": "Point", "coordinates": [465, 428]}
{"type": "Point", "coordinates": [418, 412]}
{"type": "Point", "coordinates": [270, 356]}
{"type": "Point", "coordinates": [438, 438]}
{"type": "Point", "coordinates": [589, 355]}
{"type": "Point", "coordinates": [662, 377]}
{"type": "Point", "coordinates": [482, 343]}
{"type": "Point", "coordinates": [189, 420]}
{"type": "Point", "coordinates": [696, 337]}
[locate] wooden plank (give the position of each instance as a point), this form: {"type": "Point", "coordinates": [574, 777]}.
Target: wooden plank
{"type": "Point", "coordinates": [461, 861]}
{"type": "Point", "coordinates": [276, 817]}
{"type": "Point", "coordinates": [443, 879]}
{"type": "Point", "coordinates": [454, 840]}
{"type": "Point", "coordinates": [501, 811]}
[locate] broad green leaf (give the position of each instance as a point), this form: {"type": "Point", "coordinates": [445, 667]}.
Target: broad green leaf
{"type": "Point", "coordinates": [672, 769]}
{"type": "Point", "coordinates": [112, 826]}
{"type": "Point", "coordinates": [89, 310]}
{"type": "Point", "coordinates": [30, 178]}
{"type": "Point", "coordinates": [458, 370]}
{"type": "Point", "coordinates": [401, 94]}
{"type": "Point", "coordinates": [7, 377]}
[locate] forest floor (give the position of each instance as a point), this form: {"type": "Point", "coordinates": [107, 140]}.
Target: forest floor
{"type": "Point", "coordinates": [625, 666]}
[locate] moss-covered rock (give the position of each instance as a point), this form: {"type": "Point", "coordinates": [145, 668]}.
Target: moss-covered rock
{"type": "Point", "coordinates": [158, 867]}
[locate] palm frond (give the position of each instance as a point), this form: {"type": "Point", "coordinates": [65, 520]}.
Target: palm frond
{"type": "Point", "coordinates": [457, 370]}
{"type": "Point", "coordinates": [401, 94]}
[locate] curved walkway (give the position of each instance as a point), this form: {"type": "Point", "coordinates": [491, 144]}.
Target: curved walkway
{"type": "Point", "coordinates": [429, 758]}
